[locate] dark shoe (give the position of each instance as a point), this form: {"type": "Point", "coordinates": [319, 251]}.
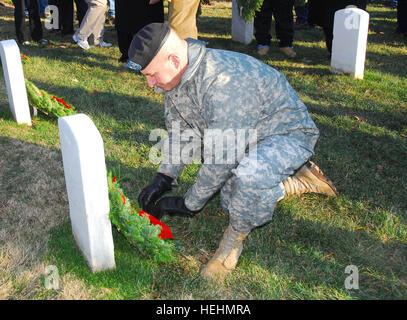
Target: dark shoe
{"type": "Point", "coordinates": [43, 41]}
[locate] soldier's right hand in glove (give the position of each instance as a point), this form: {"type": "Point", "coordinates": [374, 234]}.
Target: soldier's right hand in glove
{"type": "Point", "coordinates": [148, 196]}
{"type": "Point", "coordinates": [173, 206]}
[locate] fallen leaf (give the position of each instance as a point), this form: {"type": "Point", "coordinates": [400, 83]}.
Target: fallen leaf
{"type": "Point", "coordinates": [75, 80]}
{"type": "Point", "coordinates": [328, 255]}
{"type": "Point", "coordinates": [360, 228]}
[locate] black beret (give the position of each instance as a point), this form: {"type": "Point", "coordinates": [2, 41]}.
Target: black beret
{"type": "Point", "coordinates": [147, 42]}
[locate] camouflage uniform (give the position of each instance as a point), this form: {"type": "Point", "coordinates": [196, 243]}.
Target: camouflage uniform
{"type": "Point", "coordinates": [228, 90]}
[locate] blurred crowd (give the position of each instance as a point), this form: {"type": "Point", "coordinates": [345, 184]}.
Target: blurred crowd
{"type": "Point", "coordinates": [130, 16]}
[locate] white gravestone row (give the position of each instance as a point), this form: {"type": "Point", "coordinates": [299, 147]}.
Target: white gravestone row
{"type": "Point", "coordinates": [15, 84]}
{"type": "Point", "coordinates": [351, 26]}
{"type": "Point", "coordinates": [86, 183]}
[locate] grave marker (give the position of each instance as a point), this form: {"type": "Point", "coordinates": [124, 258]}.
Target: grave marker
{"type": "Point", "coordinates": [86, 183]}
{"type": "Point", "coordinates": [241, 30]}
{"type": "Point", "coordinates": [351, 27]}
{"type": "Point", "coordinates": [15, 83]}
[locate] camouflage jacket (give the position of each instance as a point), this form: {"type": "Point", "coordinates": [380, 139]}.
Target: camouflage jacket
{"type": "Point", "coordinates": [228, 90]}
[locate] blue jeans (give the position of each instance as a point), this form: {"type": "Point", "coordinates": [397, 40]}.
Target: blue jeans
{"type": "Point", "coordinates": [112, 11]}
{"type": "Point", "coordinates": [42, 4]}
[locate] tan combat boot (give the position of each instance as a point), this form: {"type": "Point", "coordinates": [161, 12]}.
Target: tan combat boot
{"type": "Point", "coordinates": [226, 257]}
{"type": "Point", "coordinates": [308, 179]}
{"type": "Point", "coordinates": [288, 51]}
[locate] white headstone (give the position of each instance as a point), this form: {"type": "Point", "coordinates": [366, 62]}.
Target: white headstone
{"type": "Point", "coordinates": [351, 27]}
{"type": "Point", "coordinates": [241, 30]}
{"type": "Point", "coordinates": [86, 183]}
{"type": "Point", "coordinates": [15, 84]}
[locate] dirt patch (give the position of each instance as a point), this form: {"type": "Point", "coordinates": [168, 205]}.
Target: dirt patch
{"type": "Point", "coordinates": [33, 200]}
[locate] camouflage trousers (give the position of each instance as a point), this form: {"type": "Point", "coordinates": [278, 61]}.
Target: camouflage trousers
{"type": "Point", "coordinates": [251, 194]}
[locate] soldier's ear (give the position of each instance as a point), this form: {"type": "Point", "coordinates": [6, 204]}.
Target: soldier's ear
{"type": "Point", "coordinates": [175, 61]}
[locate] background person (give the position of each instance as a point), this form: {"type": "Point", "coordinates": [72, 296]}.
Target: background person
{"type": "Point", "coordinates": [282, 10]}
{"type": "Point", "coordinates": [93, 23]}
{"type": "Point", "coordinates": [131, 16]}
{"type": "Point", "coordinates": [322, 13]}
{"type": "Point", "coordinates": [34, 22]}
{"type": "Point", "coordinates": [182, 17]}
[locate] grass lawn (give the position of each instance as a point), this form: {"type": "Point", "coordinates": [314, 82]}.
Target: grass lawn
{"type": "Point", "coordinates": [301, 254]}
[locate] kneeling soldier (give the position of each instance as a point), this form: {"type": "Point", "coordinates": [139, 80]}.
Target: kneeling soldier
{"type": "Point", "coordinates": [209, 89]}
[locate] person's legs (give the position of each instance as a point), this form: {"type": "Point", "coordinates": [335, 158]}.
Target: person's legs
{"type": "Point", "coordinates": [301, 13]}
{"type": "Point", "coordinates": [402, 17]}
{"type": "Point", "coordinates": [283, 14]}
{"type": "Point", "coordinates": [112, 11]}
{"type": "Point", "coordinates": [262, 24]}
{"type": "Point", "coordinates": [35, 20]}
{"type": "Point", "coordinates": [182, 17]}
{"type": "Point", "coordinates": [93, 22]}
{"type": "Point", "coordinates": [42, 4]}
{"type": "Point", "coordinates": [81, 9]}
{"type": "Point", "coordinates": [66, 16]}
{"type": "Point", "coordinates": [329, 35]}
{"type": "Point", "coordinates": [19, 20]}
{"type": "Point", "coordinates": [250, 195]}
{"type": "Point", "coordinates": [124, 40]}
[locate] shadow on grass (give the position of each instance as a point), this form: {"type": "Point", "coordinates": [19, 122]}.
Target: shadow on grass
{"type": "Point", "coordinates": [119, 107]}
{"type": "Point", "coordinates": [381, 115]}
{"type": "Point", "coordinates": [309, 259]}
{"type": "Point", "coordinates": [365, 167]}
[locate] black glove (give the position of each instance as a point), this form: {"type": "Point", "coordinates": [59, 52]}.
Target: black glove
{"type": "Point", "coordinates": [153, 191]}
{"type": "Point", "coordinates": [173, 206]}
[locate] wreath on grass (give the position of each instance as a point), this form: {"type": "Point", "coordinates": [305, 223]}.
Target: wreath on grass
{"type": "Point", "coordinates": [149, 235]}
{"type": "Point", "coordinates": [45, 102]}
